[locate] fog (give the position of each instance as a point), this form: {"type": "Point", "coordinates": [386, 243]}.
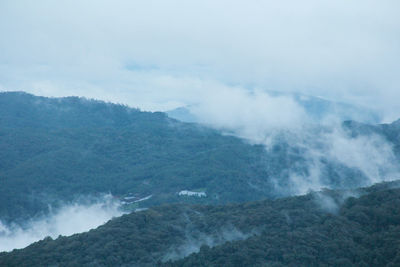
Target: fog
{"type": "Point", "coordinates": [69, 219]}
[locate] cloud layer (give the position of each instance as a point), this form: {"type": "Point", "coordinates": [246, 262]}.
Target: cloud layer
{"type": "Point", "coordinates": [160, 54]}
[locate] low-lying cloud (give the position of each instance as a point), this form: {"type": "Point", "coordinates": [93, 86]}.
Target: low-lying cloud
{"type": "Point", "coordinates": [313, 131]}
{"type": "Point", "coordinates": [249, 114]}
{"type": "Point", "coordinates": [336, 160]}
{"type": "Point", "coordinates": [67, 220]}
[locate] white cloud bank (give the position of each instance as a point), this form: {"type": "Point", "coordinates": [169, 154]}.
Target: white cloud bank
{"type": "Point", "coordinates": [160, 54]}
{"type": "Point", "coordinates": [249, 114]}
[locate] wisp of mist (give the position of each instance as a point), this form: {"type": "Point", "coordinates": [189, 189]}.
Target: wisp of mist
{"type": "Point", "coordinates": [68, 220]}
{"type": "Point", "coordinates": [269, 119]}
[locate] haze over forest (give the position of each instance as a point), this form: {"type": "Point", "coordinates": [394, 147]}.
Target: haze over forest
{"type": "Point", "coordinates": [115, 107]}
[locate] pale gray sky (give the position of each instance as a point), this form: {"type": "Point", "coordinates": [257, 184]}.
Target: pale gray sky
{"type": "Point", "coordinates": [158, 55]}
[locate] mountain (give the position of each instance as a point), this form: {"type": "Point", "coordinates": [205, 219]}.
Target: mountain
{"type": "Point", "coordinates": [320, 108]}
{"type": "Point", "coordinates": [182, 114]}
{"type": "Point", "coordinates": [57, 148]}
{"type": "Point", "coordinates": [329, 228]}
{"type": "Point", "coordinates": [362, 231]}
{"type": "Point", "coordinates": [54, 150]}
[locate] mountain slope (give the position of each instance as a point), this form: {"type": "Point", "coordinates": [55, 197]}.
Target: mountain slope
{"type": "Point", "coordinates": [53, 149]}
{"type": "Point", "coordinates": [57, 149]}
{"type": "Point", "coordinates": [328, 228]}
{"type": "Point", "coordinates": [363, 232]}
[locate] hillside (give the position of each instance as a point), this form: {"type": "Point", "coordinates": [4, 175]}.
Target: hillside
{"type": "Point", "coordinates": [363, 231]}
{"type": "Point", "coordinates": [54, 150]}
{"type": "Point", "coordinates": [330, 228]}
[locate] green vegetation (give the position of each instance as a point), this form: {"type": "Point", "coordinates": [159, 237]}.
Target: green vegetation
{"type": "Point", "coordinates": [57, 149]}
{"type": "Point", "coordinates": [296, 231]}
{"type": "Point", "coordinates": [364, 232]}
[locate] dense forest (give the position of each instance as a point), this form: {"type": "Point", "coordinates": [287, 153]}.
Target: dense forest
{"type": "Point", "coordinates": [56, 149]}
{"type": "Point", "coordinates": [329, 228]}
{"type": "Point", "coordinates": [53, 149]}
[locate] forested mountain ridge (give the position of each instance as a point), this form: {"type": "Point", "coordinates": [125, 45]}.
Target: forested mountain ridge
{"type": "Point", "coordinates": [57, 148]}
{"type": "Point", "coordinates": [329, 228]}
{"type": "Point", "coordinates": [54, 149]}
{"type": "Point", "coordinates": [364, 231]}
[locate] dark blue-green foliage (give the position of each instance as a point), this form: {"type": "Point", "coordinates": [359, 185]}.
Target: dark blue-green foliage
{"type": "Point", "coordinates": [296, 231]}
{"type": "Point", "coordinates": [52, 149]}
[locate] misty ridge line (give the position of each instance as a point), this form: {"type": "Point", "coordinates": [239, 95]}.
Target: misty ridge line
{"type": "Point", "coordinates": [252, 115]}
{"type": "Point", "coordinates": [271, 119]}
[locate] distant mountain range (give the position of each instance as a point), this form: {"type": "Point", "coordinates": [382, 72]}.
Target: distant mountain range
{"type": "Point", "coordinates": [317, 108]}
{"type": "Point", "coordinates": [330, 228]}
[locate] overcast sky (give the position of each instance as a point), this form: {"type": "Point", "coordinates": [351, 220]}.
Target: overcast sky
{"type": "Point", "coordinates": [158, 55]}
